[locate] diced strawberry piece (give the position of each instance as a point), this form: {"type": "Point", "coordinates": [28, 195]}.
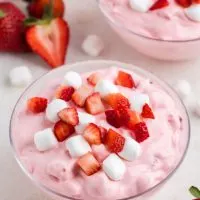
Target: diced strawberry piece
{"type": "Point", "coordinates": [89, 164]}
{"type": "Point", "coordinates": [147, 112]}
{"type": "Point", "coordinates": [65, 93]}
{"type": "Point", "coordinates": [103, 133]}
{"type": "Point", "coordinates": [141, 132]}
{"type": "Point", "coordinates": [113, 118]}
{"type": "Point", "coordinates": [184, 3]}
{"type": "Point", "coordinates": [37, 104]}
{"type": "Point", "coordinates": [114, 141]}
{"type": "Point", "coordinates": [94, 105]}
{"type": "Point", "coordinates": [134, 119]}
{"type": "Point", "coordinates": [160, 4]}
{"type": "Point", "coordinates": [124, 115]}
{"type": "Point", "coordinates": [117, 100]}
{"type": "Point", "coordinates": [124, 79]}
{"type": "Point", "coordinates": [94, 78]}
{"type": "Point", "coordinates": [69, 116]}
{"type": "Point", "coordinates": [81, 95]}
{"type": "Point", "coordinates": [63, 130]}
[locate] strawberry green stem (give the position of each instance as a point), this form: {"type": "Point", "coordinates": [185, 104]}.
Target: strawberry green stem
{"type": "Point", "coordinates": [2, 14]}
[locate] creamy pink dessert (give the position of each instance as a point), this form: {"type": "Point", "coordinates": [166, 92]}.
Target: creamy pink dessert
{"type": "Point", "coordinates": [173, 21]}
{"type": "Point", "coordinates": [44, 135]}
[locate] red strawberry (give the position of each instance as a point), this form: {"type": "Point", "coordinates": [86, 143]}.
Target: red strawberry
{"type": "Point", "coordinates": [94, 78]}
{"type": "Point", "coordinates": [92, 134]}
{"type": "Point", "coordinates": [89, 164]}
{"type": "Point", "coordinates": [113, 118]}
{"type": "Point", "coordinates": [49, 40]}
{"type": "Point", "coordinates": [159, 4]}
{"type": "Point", "coordinates": [69, 116]}
{"type": "Point", "coordinates": [37, 104]}
{"type": "Point", "coordinates": [141, 132]}
{"type": "Point", "coordinates": [64, 93]}
{"type": "Point", "coordinates": [114, 141]}
{"type": "Point", "coordinates": [134, 119]}
{"type": "Point", "coordinates": [80, 95]}
{"type": "Point", "coordinates": [117, 100]}
{"type": "Point", "coordinates": [124, 115]}
{"type": "Point", "coordinates": [124, 79]}
{"type": "Point", "coordinates": [147, 112]}
{"type": "Point", "coordinates": [94, 105]}
{"type": "Point", "coordinates": [196, 1]}
{"type": "Point", "coordinates": [103, 133]}
{"type": "Point", "coordinates": [12, 34]}
{"type": "Point", "coordinates": [184, 3]}
{"type": "Point", "coordinates": [62, 130]}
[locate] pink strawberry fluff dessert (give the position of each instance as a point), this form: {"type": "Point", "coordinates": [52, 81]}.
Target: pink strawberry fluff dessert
{"type": "Point", "coordinates": [104, 134]}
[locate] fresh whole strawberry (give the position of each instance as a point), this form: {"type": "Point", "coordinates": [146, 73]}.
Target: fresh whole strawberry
{"type": "Point", "coordinates": [65, 93]}
{"type": "Point", "coordinates": [124, 79]}
{"type": "Point", "coordinates": [141, 132]}
{"type": "Point", "coordinates": [160, 4]}
{"type": "Point", "coordinates": [184, 3]}
{"type": "Point", "coordinates": [12, 31]}
{"type": "Point", "coordinates": [37, 104]}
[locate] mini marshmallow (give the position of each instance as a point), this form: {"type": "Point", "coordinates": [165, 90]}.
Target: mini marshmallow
{"type": "Point", "coordinates": [20, 76]}
{"type": "Point", "coordinates": [72, 79]}
{"type": "Point", "coordinates": [77, 146]}
{"type": "Point", "coordinates": [138, 100]}
{"type": "Point", "coordinates": [141, 5]}
{"type": "Point", "coordinates": [183, 88]}
{"type": "Point", "coordinates": [53, 108]}
{"type": "Point", "coordinates": [114, 167]}
{"type": "Point", "coordinates": [93, 45]}
{"type": "Point", "coordinates": [45, 140]}
{"type": "Point", "coordinates": [105, 87]}
{"type": "Point", "coordinates": [193, 12]}
{"type": "Point", "coordinates": [131, 149]}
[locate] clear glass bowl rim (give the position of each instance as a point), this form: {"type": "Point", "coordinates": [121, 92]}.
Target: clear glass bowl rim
{"type": "Point", "coordinates": [68, 67]}
{"type": "Point", "coordinates": [118, 25]}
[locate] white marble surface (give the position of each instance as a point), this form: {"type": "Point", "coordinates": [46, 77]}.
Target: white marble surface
{"type": "Point", "coordinates": [84, 18]}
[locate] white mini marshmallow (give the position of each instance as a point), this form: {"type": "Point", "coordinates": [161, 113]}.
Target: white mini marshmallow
{"type": "Point", "coordinates": [93, 45]}
{"type": "Point", "coordinates": [45, 140]}
{"type": "Point", "coordinates": [141, 5]}
{"type": "Point", "coordinates": [183, 88]}
{"type": "Point", "coordinates": [77, 146]}
{"type": "Point", "coordinates": [72, 79]}
{"type": "Point", "coordinates": [131, 149]}
{"type": "Point", "coordinates": [105, 87]}
{"type": "Point", "coordinates": [20, 76]}
{"type": "Point", "coordinates": [138, 100]}
{"type": "Point", "coordinates": [114, 167]}
{"type": "Point", "coordinates": [193, 12]}
{"type": "Point", "coordinates": [53, 108]}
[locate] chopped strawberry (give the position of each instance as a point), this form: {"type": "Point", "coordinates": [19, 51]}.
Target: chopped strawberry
{"type": "Point", "coordinates": [103, 133]}
{"type": "Point", "coordinates": [63, 130]}
{"type": "Point", "coordinates": [92, 134]}
{"type": "Point", "coordinates": [124, 115]}
{"type": "Point", "coordinates": [184, 3]}
{"type": "Point", "coordinates": [69, 116]}
{"type": "Point", "coordinates": [37, 104]}
{"type": "Point", "coordinates": [141, 132]}
{"type": "Point", "coordinates": [124, 79]}
{"type": "Point", "coordinates": [160, 4]}
{"type": "Point", "coordinates": [89, 164]}
{"type": "Point", "coordinates": [117, 100]}
{"type": "Point", "coordinates": [114, 141]}
{"type": "Point", "coordinates": [134, 119]}
{"type": "Point", "coordinates": [94, 78]}
{"type": "Point", "coordinates": [81, 94]}
{"type": "Point", "coordinates": [113, 118]}
{"type": "Point", "coordinates": [147, 112]}
{"type": "Point", "coordinates": [65, 93]}
{"type": "Point", "coordinates": [94, 105]}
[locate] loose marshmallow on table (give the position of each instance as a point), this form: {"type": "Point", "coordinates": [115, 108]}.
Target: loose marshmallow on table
{"type": "Point", "coordinates": [138, 100]}
{"type": "Point", "coordinates": [45, 140]}
{"type": "Point", "coordinates": [114, 167]}
{"type": "Point", "coordinates": [141, 5]}
{"type": "Point", "coordinates": [77, 146]}
{"type": "Point", "coordinates": [193, 12]}
{"type": "Point", "coordinates": [20, 76]}
{"type": "Point", "coordinates": [72, 79]}
{"type": "Point", "coordinates": [93, 45]}
{"type": "Point", "coordinates": [53, 108]}
{"type": "Point", "coordinates": [131, 149]}
{"type": "Point", "coordinates": [183, 88]}
{"type": "Point", "coordinates": [105, 87]}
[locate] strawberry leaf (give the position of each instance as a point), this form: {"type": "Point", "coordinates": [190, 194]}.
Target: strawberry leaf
{"type": "Point", "coordinates": [195, 191]}
{"type": "Point", "coordinates": [2, 14]}
{"type": "Point", "coordinates": [32, 21]}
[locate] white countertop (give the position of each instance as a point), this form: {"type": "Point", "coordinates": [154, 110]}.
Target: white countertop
{"type": "Point", "coordinates": [84, 18]}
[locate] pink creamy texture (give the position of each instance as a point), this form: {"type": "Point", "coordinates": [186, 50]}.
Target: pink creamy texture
{"type": "Point", "coordinates": [58, 171]}
{"type": "Point", "coordinates": [169, 23]}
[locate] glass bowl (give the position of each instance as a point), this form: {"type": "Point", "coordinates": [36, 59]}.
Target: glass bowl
{"type": "Point", "coordinates": [81, 67]}
{"type": "Point", "coordinates": [156, 48]}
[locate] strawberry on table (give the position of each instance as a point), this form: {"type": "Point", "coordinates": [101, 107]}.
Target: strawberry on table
{"type": "Point", "coordinates": [141, 132]}
{"type": "Point", "coordinates": [37, 104]}
{"type": "Point", "coordinates": [134, 119]}
{"type": "Point", "coordinates": [147, 112]}
{"type": "Point", "coordinates": [94, 78]}
{"type": "Point", "coordinates": [89, 164]}
{"type": "Point", "coordinates": [65, 93]}
{"type": "Point", "coordinates": [125, 79]}
{"type": "Point", "coordinates": [160, 4]}
{"type": "Point", "coordinates": [184, 3]}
